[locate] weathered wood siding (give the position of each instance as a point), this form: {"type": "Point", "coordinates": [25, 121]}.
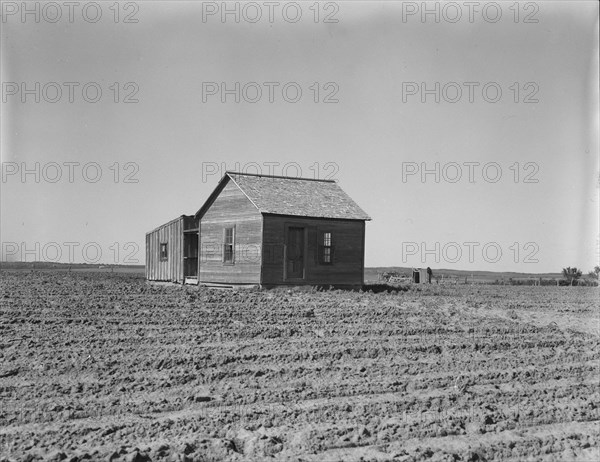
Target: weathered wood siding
{"type": "Point", "coordinates": [347, 268]}
{"type": "Point", "coordinates": [172, 269]}
{"type": "Point", "coordinates": [231, 208]}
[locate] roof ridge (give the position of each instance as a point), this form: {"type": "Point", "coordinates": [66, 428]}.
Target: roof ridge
{"type": "Point", "coordinates": [228, 172]}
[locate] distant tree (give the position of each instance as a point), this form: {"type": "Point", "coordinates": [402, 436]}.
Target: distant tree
{"type": "Point", "coordinates": [571, 274]}
{"type": "Point", "coordinates": [595, 272]}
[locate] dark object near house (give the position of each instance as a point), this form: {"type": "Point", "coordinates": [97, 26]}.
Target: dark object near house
{"type": "Point", "coordinates": [264, 230]}
{"type": "Point", "coordinates": [429, 274]}
{"type": "Point", "coordinates": [419, 276]}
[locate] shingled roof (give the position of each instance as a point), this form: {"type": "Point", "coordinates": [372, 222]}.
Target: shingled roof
{"type": "Point", "coordinates": [304, 197]}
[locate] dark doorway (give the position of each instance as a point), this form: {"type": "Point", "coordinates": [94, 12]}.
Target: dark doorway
{"type": "Point", "coordinates": [190, 254]}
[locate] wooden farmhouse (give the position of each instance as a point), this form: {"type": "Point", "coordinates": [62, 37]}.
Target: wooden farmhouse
{"type": "Point", "coordinates": [266, 231]}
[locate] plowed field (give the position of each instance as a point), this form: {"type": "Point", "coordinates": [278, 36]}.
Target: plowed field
{"type": "Point", "coordinates": [108, 367]}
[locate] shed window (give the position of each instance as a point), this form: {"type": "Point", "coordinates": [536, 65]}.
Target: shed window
{"type": "Point", "coordinates": [163, 252]}
{"type": "Point", "coordinates": [228, 245]}
{"type": "Point", "coordinates": [326, 249]}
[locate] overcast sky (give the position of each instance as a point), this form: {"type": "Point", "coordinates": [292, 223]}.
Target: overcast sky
{"type": "Point", "coordinates": [501, 100]}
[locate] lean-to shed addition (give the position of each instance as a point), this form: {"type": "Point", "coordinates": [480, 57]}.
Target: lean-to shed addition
{"type": "Point", "coordinates": [172, 250]}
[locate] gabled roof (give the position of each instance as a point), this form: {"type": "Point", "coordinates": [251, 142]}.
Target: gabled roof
{"type": "Point", "coordinates": [280, 195]}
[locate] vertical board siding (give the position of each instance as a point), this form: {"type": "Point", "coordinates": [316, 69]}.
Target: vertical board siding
{"type": "Point", "coordinates": [348, 255]}
{"type": "Point", "coordinates": [231, 208]}
{"type": "Point", "coordinates": [172, 268]}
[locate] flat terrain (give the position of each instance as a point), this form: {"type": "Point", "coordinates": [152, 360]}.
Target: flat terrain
{"type": "Point", "coordinates": [104, 366]}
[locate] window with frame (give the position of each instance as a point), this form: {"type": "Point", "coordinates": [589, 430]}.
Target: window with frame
{"type": "Point", "coordinates": [164, 256]}
{"type": "Point", "coordinates": [229, 245]}
{"type": "Point", "coordinates": [326, 248]}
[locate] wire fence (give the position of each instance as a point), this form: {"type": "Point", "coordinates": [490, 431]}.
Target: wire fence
{"type": "Point", "coordinates": [395, 278]}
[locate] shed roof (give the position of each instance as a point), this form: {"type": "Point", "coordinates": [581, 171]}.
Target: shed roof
{"type": "Point", "coordinates": [279, 195]}
{"type": "Point", "coordinates": [180, 217]}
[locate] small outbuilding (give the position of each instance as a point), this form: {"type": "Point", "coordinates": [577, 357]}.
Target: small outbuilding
{"type": "Point", "coordinates": [420, 276]}
{"type": "Point", "coordinates": [266, 231]}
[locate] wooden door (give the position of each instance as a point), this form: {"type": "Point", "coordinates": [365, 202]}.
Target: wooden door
{"type": "Point", "coordinates": [294, 259]}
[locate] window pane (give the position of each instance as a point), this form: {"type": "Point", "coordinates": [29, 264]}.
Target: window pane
{"type": "Point", "coordinates": [228, 245]}
{"type": "Point", "coordinates": [228, 235]}
{"type": "Point", "coordinates": [228, 253]}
